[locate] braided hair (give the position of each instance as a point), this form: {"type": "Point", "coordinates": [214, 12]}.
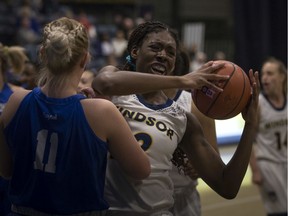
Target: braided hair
{"type": "Point", "coordinates": [139, 34]}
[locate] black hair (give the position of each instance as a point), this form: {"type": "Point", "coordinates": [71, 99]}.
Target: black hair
{"type": "Point", "coordinates": [140, 32]}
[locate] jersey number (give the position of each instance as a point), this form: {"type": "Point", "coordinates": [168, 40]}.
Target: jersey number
{"type": "Point", "coordinates": [279, 143]}
{"type": "Point", "coordinates": [45, 140]}
{"type": "Point", "coordinates": [144, 139]}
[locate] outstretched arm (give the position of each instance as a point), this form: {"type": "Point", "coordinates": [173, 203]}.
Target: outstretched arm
{"type": "Point", "coordinates": [224, 179]}
{"type": "Point", "coordinates": [107, 82]}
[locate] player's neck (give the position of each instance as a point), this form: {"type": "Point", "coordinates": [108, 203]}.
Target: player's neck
{"type": "Point", "coordinates": [171, 93]}
{"type": "Point", "coordinates": [155, 98]}
{"type": "Point", "coordinates": [277, 100]}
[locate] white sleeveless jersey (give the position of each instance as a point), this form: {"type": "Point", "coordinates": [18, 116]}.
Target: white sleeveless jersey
{"type": "Point", "coordinates": [184, 99]}
{"type": "Point", "coordinates": [158, 128]}
{"type": "Point", "coordinates": [271, 139]}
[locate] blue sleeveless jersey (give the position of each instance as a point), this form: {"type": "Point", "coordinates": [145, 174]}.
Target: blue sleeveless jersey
{"type": "Point", "coordinates": [5, 205]}
{"type": "Point", "coordinates": [59, 163]}
{"type": "Point", "coordinates": [4, 96]}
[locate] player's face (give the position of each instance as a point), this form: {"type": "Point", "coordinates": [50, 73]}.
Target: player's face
{"type": "Point", "coordinates": [271, 79]}
{"type": "Point", "coordinates": [157, 55]}
{"type": "Point", "coordinates": [86, 80]}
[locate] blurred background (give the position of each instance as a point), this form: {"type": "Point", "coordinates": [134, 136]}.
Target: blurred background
{"type": "Point", "coordinates": [245, 32]}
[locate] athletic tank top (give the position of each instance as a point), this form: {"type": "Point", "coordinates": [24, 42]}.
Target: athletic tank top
{"type": "Point", "coordinates": [4, 96]}
{"type": "Point", "coordinates": [59, 163]}
{"type": "Point", "coordinates": [271, 139]}
{"type": "Point", "coordinates": [183, 99]}
{"type": "Point", "coordinates": [158, 128]}
{"type": "Point", "coordinates": [5, 205]}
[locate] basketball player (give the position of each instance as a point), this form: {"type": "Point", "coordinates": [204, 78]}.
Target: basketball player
{"type": "Point", "coordinates": [54, 142]}
{"type": "Point", "coordinates": [86, 79]}
{"type": "Point", "coordinates": [12, 60]}
{"type": "Point", "coordinates": [269, 155]}
{"type": "Point", "coordinates": [186, 197]}
{"type": "Point", "coordinates": [160, 124]}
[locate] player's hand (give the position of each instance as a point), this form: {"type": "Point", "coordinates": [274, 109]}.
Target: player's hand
{"type": "Point", "coordinates": [88, 92]}
{"type": "Point", "coordinates": [250, 111]}
{"type": "Point", "coordinates": [190, 171]}
{"type": "Point", "coordinates": [206, 76]}
{"type": "Point", "coordinates": [257, 178]}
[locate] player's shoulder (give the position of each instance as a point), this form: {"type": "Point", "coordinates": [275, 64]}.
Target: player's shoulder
{"type": "Point", "coordinates": [18, 95]}
{"type": "Point", "coordinates": [13, 104]}
{"type": "Point", "coordinates": [98, 106]}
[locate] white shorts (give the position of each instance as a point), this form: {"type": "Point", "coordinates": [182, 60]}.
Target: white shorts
{"type": "Point", "coordinates": [274, 188]}
{"type": "Point", "coordinates": [186, 202]}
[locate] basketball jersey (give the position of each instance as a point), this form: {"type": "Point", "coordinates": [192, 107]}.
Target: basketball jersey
{"type": "Point", "coordinates": [158, 128]}
{"type": "Point", "coordinates": [4, 96]}
{"type": "Point", "coordinates": [183, 99]}
{"type": "Point", "coordinates": [5, 205]}
{"type": "Point", "coordinates": [59, 163]}
{"type": "Point", "coordinates": [271, 139]}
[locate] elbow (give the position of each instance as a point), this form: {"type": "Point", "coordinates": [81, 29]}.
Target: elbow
{"type": "Point", "coordinates": [143, 173]}
{"type": "Point", "coordinates": [229, 194]}
{"type": "Point", "coordinates": [103, 84]}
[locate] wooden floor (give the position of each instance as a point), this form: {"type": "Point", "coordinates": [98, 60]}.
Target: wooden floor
{"type": "Point", "coordinates": [247, 202]}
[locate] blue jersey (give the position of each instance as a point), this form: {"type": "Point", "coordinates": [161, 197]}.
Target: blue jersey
{"type": "Point", "coordinates": [59, 162]}
{"type": "Point", "coordinates": [4, 96]}
{"type": "Point", "coordinates": [4, 201]}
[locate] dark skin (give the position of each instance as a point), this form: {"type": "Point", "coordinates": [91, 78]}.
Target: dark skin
{"type": "Point", "coordinates": [156, 57]}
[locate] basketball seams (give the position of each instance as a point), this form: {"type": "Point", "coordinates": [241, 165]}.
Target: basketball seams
{"type": "Point", "coordinates": [241, 97]}
{"type": "Point", "coordinates": [229, 103]}
{"type": "Point", "coordinates": [218, 95]}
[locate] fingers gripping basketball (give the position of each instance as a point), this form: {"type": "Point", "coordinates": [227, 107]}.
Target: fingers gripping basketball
{"type": "Point", "coordinates": [229, 103]}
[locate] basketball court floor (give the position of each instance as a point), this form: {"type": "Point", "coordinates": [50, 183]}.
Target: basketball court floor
{"type": "Point", "coordinates": [247, 203]}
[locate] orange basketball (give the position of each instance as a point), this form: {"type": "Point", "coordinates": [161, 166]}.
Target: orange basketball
{"type": "Point", "coordinates": [231, 101]}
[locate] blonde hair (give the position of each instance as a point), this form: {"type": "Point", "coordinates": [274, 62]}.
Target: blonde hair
{"type": "Point", "coordinates": [13, 58]}
{"type": "Point", "coordinates": [65, 41]}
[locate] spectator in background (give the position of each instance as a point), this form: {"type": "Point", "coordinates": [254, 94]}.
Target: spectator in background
{"type": "Point", "coordinates": [107, 49]}
{"type": "Point", "coordinates": [119, 44]}
{"type": "Point", "coordinates": [28, 32]}
{"type": "Point", "coordinates": [28, 77]}
{"type": "Point", "coordinates": [198, 61]}
{"type": "Point", "coordinates": [269, 156]}
{"type": "Point", "coordinates": [219, 55]}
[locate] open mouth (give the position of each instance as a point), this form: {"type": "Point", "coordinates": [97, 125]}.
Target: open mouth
{"type": "Point", "coordinates": [158, 69]}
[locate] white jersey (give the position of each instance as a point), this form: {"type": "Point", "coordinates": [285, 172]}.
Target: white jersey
{"type": "Point", "coordinates": [271, 139]}
{"type": "Point", "coordinates": [159, 128]}
{"type": "Point", "coordinates": [186, 196]}
{"type": "Point", "coordinates": [184, 99]}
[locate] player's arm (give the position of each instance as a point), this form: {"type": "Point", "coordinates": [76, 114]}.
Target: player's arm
{"type": "Point", "coordinates": [224, 179]}
{"type": "Point", "coordinates": [256, 174]}
{"type": "Point", "coordinates": [209, 130]}
{"type": "Point", "coordinates": [107, 82]}
{"type": "Point", "coordinates": [108, 124]}
{"type": "Point", "coordinates": [208, 126]}
{"type": "Point", "coordinates": [9, 111]}
{"type": "Point", "coordinates": [5, 155]}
